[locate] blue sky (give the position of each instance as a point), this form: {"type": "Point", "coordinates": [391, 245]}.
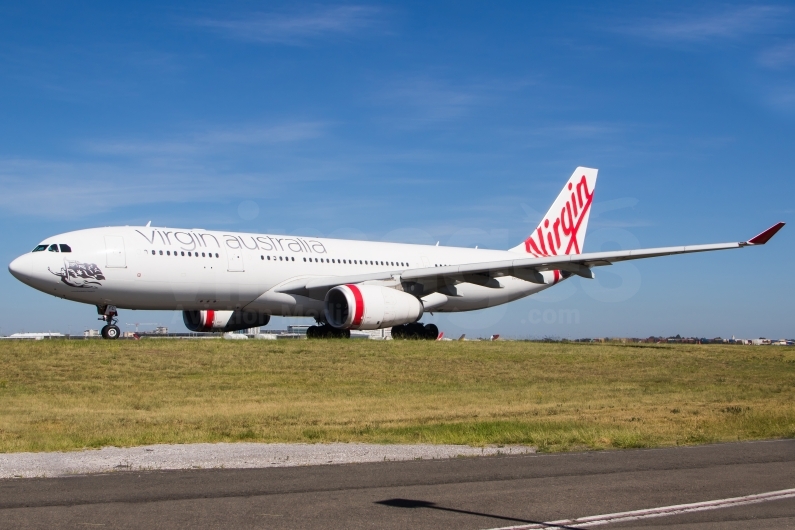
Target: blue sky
{"type": "Point", "coordinates": [456, 122]}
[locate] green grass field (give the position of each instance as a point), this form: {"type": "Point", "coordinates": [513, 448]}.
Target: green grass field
{"type": "Point", "coordinates": [64, 395]}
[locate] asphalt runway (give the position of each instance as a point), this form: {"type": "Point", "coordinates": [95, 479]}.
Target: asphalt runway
{"type": "Point", "coordinates": [464, 493]}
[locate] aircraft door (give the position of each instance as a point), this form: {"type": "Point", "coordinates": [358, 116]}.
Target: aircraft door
{"type": "Point", "coordinates": [114, 252]}
{"type": "Point", "coordinates": [234, 257]}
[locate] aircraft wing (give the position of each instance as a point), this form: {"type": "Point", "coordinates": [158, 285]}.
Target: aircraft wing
{"type": "Point", "coordinates": [436, 278]}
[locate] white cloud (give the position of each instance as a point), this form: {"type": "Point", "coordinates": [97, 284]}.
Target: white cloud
{"type": "Point", "coordinates": [110, 174]}
{"type": "Point", "coordinates": [296, 28]}
{"type": "Point", "coordinates": [691, 28]}
{"type": "Point", "coordinates": [779, 57]}
{"type": "Point", "coordinates": [433, 100]}
{"type": "Point", "coordinates": [423, 100]}
{"type": "Point", "coordinates": [581, 130]}
{"type": "Point", "coordinates": [782, 98]}
{"type": "Point", "coordinates": [213, 141]}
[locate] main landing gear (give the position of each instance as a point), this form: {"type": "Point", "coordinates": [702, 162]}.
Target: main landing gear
{"type": "Point", "coordinates": [415, 331]}
{"type": "Point", "coordinates": [327, 332]}
{"type": "Point", "coordinates": [108, 314]}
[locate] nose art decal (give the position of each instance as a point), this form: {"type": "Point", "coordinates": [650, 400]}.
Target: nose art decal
{"type": "Point", "coordinates": [83, 275]}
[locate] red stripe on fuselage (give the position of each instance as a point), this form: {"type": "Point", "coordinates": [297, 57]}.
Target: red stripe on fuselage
{"type": "Point", "coordinates": [358, 312]}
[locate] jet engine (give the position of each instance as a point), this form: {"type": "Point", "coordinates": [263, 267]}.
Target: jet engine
{"type": "Point", "coordinates": [370, 307]}
{"type": "Point", "coordinates": [209, 320]}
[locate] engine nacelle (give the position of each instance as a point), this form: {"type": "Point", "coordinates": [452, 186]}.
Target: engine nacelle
{"type": "Point", "coordinates": [210, 320]}
{"type": "Point", "coordinates": [370, 307]}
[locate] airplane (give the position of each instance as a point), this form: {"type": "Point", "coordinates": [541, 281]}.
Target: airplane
{"type": "Point", "coordinates": [228, 281]}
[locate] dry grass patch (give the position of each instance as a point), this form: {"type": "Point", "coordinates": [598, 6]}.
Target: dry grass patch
{"type": "Point", "coordinates": [62, 395]}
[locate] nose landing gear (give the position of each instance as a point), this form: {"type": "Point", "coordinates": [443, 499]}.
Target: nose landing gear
{"type": "Point", "coordinates": [108, 314]}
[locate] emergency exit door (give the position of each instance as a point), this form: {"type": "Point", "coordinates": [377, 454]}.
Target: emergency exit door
{"type": "Point", "coordinates": [235, 259]}
{"type": "Point", "coordinates": [114, 252]}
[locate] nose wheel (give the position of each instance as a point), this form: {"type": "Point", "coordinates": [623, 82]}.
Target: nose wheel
{"type": "Point", "coordinates": [108, 313]}
{"type": "Point", "coordinates": [111, 331]}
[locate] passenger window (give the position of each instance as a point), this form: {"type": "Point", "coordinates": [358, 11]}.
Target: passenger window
{"type": "Point", "coordinates": [53, 248]}
{"type": "Point", "coordinates": [280, 258]}
{"type": "Point", "coordinates": [161, 252]}
{"type": "Point", "coordinates": [216, 254]}
{"type": "Point", "coordinates": [65, 248]}
{"type": "Point", "coordinates": [181, 253]}
{"type": "Point", "coordinates": [168, 252]}
{"type": "Point", "coordinates": [202, 254]}
{"type": "Point", "coordinates": [304, 260]}
{"type": "Point", "coordinates": [153, 252]}
{"type": "Point", "coordinates": [39, 248]}
{"type": "Point", "coordinates": [292, 259]}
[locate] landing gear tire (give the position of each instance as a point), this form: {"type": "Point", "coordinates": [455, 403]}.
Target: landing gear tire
{"type": "Point", "coordinates": [327, 332]}
{"type": "Point", "coordinates": [111, 332]}
{"type": "Point", "coordinates": [398, 332]}
{"type": "Point", "coordinates": [415, 331]}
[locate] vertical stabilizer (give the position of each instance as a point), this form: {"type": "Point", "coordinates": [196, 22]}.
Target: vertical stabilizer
{"type": "Point", "coordinates": [562, 230]}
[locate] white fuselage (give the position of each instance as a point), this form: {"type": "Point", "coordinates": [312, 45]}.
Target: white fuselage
{"type": "Point", "coordinates": [176, 269]}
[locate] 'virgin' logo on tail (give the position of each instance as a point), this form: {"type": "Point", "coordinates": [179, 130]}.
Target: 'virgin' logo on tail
{"type": "Point", "coordinates": [554, 235]}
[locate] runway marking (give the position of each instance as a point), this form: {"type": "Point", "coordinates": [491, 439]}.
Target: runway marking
{"type": "Point", "coordinates": [648, 513]}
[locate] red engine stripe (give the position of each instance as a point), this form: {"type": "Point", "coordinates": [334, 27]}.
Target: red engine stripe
{"type": "Point", "coordinates": [208, 320]}
{"type": "Point", "coordinates": [358, 312]}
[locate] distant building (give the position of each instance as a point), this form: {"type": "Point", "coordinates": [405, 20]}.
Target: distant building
{"type": "Point", "coordinates": [299, 329]}
{"type": "Point", "coordinates": [35, 336]}
{"type": "Point", "coordinates": [91, 333]}
{"type": "Point", "coordinates": [250, 331]}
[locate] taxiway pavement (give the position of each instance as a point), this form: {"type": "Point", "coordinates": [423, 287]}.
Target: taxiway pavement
{"type": "Point", "coordinates": [476, 493]}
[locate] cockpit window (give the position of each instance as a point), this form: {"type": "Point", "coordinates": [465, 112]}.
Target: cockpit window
{"type": "Point", "coordinates": [53, 248]}
{"type": "Point", "coordinates": [39, 248]}
{"type": "Point", "coordinates": [65, 248]}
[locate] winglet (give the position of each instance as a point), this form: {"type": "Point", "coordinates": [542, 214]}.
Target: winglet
{"type": "Point", "coordinates": [765, 236]}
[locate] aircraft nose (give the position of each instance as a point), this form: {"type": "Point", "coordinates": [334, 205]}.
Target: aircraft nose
{"type": "Point", "coordinates": [19, 268]}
